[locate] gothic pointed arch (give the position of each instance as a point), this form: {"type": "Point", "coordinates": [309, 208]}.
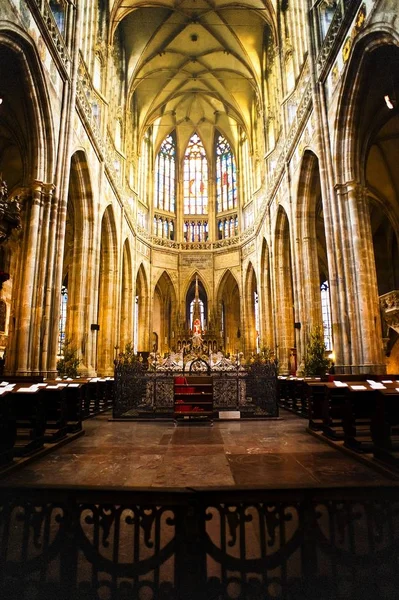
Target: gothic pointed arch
{"type": "Point", "coordinates": [27, 164]}
{"type": "Point", "coordinates": [164, 313]}
{"type": "Point", "coordinates": [195, 177]}
{"type": "Point", "coordinates": [266, 311]}
{"type": "Point", "coordinates": [127, 303]}
{"type": "Point", "coordinates": [251, 308]}
{"type": "Point", "coordinates": [367, 136]}
{"type": "Point", "coordinates": [77, 269]}
{"type": "Point", "coordinates": [229, 313]}
{"type": "Point", "coordinates": [194, 281]}
{"type": "Point", "coordinates": [284, 299]}
{"type": "Point", "coordinates": [312, 249]}
{"type": "Point", "coordinates": [141, 314]}
{"type": "Point", "coordinates": [28, 110]}
{"type": "Point", "coordinates": [107, 294]}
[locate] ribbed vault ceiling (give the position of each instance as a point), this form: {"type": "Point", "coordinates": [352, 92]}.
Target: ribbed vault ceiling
{"type": "Point", "coordinates": [195, 64]}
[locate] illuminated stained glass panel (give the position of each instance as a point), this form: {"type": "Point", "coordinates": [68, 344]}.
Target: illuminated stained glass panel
{"type": "Point", "coordinates": [195, 178]}
{"type": "Point", "coordinates": [165, 169]}
{"type": "Point", "coordinates": [226, 176]}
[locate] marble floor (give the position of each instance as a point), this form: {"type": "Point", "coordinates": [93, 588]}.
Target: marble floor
{"type": "Point", "coordinates": [272, 454]}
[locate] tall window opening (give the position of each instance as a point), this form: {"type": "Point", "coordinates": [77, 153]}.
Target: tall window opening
{"type": "Point", "coordinates": [226, 176]}
{"type": "Point", "coordinates": [195, 175]}
{"type": "Point", "coordinates": [165, 169]}
{"type": "Point", "coordinates": [201, 311]}
{"type": "Point", "coordinates": [136, 325]}
{"type": "Point", "coordinates": [326, 314]}
{"type": "Point", "coordinates": [327, 9]}
{"type": "Point", "coordinates": [257, 319]}
{"type": "Point", "coordinates": [57, 7]}
{"type": "Point", "coordinates": [63, 317]}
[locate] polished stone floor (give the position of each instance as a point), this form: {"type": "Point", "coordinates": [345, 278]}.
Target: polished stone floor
{"type": "Point", "coordinates": [275, 454]}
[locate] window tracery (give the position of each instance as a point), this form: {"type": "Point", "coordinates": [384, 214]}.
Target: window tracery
{"type": "Point", "coordinates": [165, 169]}
{"type": "Point", "coordinates": [226, 176]}
{"type": "Point", "coordinates": [195, 178]}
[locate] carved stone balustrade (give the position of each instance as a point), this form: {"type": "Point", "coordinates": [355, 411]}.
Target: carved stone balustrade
{"type": "Point", "coordinates": [390, 308]}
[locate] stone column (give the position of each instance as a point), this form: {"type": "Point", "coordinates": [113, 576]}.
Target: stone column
{"type": "Point", "coordinates": [30, 258]}
{"type": "Point", "coordinates": [367, 347]}
{"type": "Point", "coordinates": [44, 267]}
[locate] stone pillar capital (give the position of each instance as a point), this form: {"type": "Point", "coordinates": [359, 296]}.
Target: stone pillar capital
{"type": "Point", "coordinates": [349, 187]}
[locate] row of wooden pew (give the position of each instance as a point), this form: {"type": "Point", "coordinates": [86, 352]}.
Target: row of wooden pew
{"type": "Point", "coordinates": [362, 411]}
{"type": "Point", "coordinates": [35, 412]}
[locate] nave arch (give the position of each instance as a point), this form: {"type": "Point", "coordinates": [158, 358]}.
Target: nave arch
{"type": "Point", "coordinates": [284, 296]}
{"type": "Point", "coordinates": [229, 313]}
{"type": "Point", "coordinates": [107, 294]}
{"type": "Point", "coordinates": [78, 261]}
{"type": "Point", "coordinates": [266, 302]}
{"type": "Point", "coordinates": [189, 294]}
{"type": "Point", "coordinates": [126, 332]}
{"type": "Point", "coordinates": [251, 310]}
{"type": "Point", "coordinates": [366, 157]}
{"type": "Point", "coordinates": [141, 312]}
{"type": "Point", "coordinates": [27, 148]}
{"type": "Point", "coordinates": [310, 257]}
{"type": "Point", "coordinates": [164, 314]}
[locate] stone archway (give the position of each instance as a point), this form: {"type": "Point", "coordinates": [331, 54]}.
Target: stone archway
{"type": "Point", "coordinates": [107, 296]}
{"type": "Point", "coordinates": [142, 316]}
{"type": "Point", "coordinates": [127, 304]}
{"type": "Point", "coordinates": [284, 300]}
{"type": "Point", "coordinates": [251, 307]}
{"type": "Point", "coordinates": [78, 261]}
{"type": "Point", "coordinates": [267, 330]}
{"type": "Point", "coordinates": [164, 313]}
{"type": "Point", "coordinates": [311, 254]}
{"type": "Point", "coordinates": [27, 165]}
{"type": "Point", "coordinates": [366, 121]}
{"type": "Point", "coordinates": [229, 307]}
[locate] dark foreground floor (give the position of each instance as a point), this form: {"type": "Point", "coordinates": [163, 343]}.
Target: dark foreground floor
{"type": "Point", "coordinates": [252, 510]}
{"type": "Point", "coordinates": [275, 453]}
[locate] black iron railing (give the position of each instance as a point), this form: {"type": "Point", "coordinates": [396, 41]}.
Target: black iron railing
{"type": "Point", "coordinates": [71, 543]}
{"type": "Point", "coordinates": [251, 390]}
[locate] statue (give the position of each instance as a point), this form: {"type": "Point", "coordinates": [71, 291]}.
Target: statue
{"type": "Point", "coordinates": [10, 212]}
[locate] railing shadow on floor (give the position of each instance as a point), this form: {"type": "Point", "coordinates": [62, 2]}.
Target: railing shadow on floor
{"type": "Point", "coordinates": [72, 543]}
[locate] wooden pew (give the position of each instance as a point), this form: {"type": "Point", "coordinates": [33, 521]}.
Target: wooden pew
{"type": "Point", "coordinates": [8, 427]}
{"type": "Point", "coordinates": [29, 407]}
{"type": "Point", "coordinates": [385, 425]}
{"type": "Point", "coordinates": [56, 412]}
{"type": "Point", "coordinates": [316, 395]}
{"type": "Point", "coordinates": [360, 413]}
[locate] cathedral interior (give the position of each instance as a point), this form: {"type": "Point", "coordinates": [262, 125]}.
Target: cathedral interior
{"type": "Point", "coordinates": [250, 145]}
{"type": "Point", "coordinates": [183, 170]}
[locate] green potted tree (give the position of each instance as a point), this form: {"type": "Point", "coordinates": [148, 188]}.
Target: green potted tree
{"type": "Point", "coordinates": [316, 363]}
{"type": "Point", "coordinates": [67, 366]}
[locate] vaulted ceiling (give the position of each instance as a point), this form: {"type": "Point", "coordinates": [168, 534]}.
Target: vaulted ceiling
{"type": "Point", "coordinates": [195, 64]}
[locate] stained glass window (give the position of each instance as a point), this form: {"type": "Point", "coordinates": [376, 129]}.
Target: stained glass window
{"type": "Point", "coordinates": [165, 169]}
{"type": "Point", "coordinates": [226, 176]}
{"type": "Point", "coordinates": [201, 310]}
{"type": "Point", "coordinates": [195, 178]}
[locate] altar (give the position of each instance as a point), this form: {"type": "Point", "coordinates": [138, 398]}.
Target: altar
{"type": "Point", "coordinates": [147, 391]}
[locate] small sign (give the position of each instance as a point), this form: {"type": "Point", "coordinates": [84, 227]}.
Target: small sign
{"type": "Point", "coordinates": [229, 414]}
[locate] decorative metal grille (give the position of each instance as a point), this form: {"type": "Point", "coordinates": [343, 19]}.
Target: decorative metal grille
{"type": "Point", "coordinates": [311, 543]}
{"type": "Point", "coordinates": [251, 390]}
